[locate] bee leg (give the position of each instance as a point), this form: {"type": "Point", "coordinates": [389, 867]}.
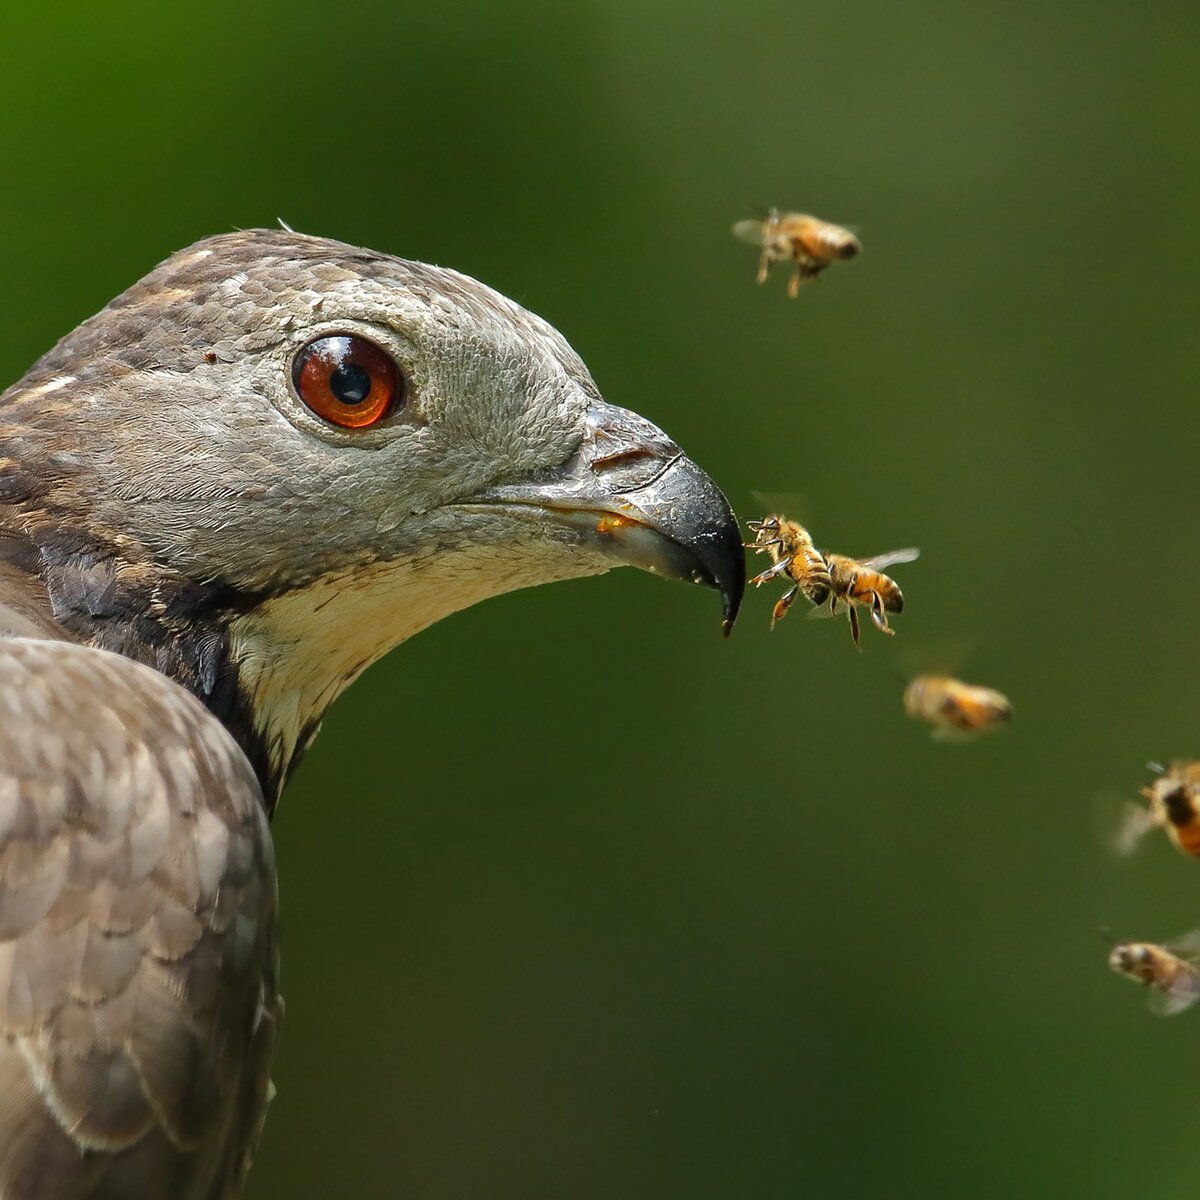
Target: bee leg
{"type": "Point", "coordinates": [764, 265]}
{"type": "Point", "coordinates": [783, 604]}
{"type": "Point", "coordinates": [879, 616]}
{"type": "Point", "coordinates": [854, 626]}
{"type": "Point", "coordinates": [770, 573]}
{"type": "Point", "coordinates": [794, 283]}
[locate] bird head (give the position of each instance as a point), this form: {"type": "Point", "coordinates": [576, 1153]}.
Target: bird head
{"type": "Point", "coordinates": [276, 456]}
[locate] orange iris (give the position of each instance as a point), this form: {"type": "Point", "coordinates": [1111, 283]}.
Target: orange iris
{"type": "Point", "coordinates": [348, 381]}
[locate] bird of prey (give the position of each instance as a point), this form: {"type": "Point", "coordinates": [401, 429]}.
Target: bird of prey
{"type": "Point", "coordinates": [256, 471]}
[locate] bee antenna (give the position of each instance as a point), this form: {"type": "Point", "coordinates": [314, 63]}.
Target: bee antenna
{"type": "Point", "coordinates": [758, 210]}
{"type": "Point", "coordinates": [1156, 767]}
{"type": "Point", "coordinates": [1108, 936]}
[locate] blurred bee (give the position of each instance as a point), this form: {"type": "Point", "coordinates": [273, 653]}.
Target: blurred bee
{"type": "Point", "coordinates": [953, 707]}
{"type": "Point", "coordinates": [1172, 804]}
{"type": "Point", "coordinates": [812, 244]}
{"type": "Point", "coordinates": [854, 581]}
{"type": "Point", "coordinates": [794, 555]}
{"type": "Point", "coordinates": [1170, 971]}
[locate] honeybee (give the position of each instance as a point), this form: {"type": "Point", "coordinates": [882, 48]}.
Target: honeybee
{"type": "Point", "coordinates": [812, 244]}
{"type": "Point", "coordinates": [856, 581]}
{"type": "Point", "coordinates": [1170, 970]}
{"type": "Point", "coordinates": [822, 576]}
{"type": "Point", "coordinates": [792, 554]}
{"type": "Point", "coordinates": [1172, 804]}
{"type": "Point", "coordinates": [953, 707]}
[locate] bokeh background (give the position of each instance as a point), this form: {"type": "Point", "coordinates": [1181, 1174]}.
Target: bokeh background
{"type": "Point", "coordinates": [579, 900]}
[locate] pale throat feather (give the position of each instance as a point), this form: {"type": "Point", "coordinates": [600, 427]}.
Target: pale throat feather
{"type": "Point", "coordinates": [296, 653]}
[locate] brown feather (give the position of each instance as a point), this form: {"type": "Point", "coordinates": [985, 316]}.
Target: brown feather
{"type": "Point", "coordinates": [137, 943]}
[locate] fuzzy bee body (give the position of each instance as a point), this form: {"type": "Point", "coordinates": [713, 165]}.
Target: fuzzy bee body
{"type": "Point", "coordinates": [793, 555]}
{"type": "Point", "coordinates": [854, 582]}
{"type": "Point", "coordinates": [1170, 971]}
{"type": "Point", "coordinates": [1172, 805]}
{"type": "Point", "coordinates": [955, 708]}
{"type": "Point", "coordinates": [857, 582]}
{"type": "Point", "coordinates": [811, 244]}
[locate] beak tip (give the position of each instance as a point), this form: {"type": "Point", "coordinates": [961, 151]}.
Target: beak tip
{"type": "Point", "coordinates": [718, 558]}
{"type": "Point", "coordinates": [731, 602]}
{"type": "Point", "coordinates": [731, 581]}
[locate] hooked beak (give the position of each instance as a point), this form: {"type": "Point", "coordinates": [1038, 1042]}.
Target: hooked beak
{"type": "Point", "coordinates": [632, 492]}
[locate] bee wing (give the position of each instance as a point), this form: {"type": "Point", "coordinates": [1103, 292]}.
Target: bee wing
{"type": "Point", "coordinates": [1183, 993]}
{"type": "Point", "coordinates": [822, 612]}
{"type": "Point", "coordinates": [1186, 946]}
{"type": "Point", "coordinates": [935, 656]}
{"type": "Point", "coordinates": [791, 504]}
{"type": "Point", "coordinates": [749, 230]}
{"type": "Point", "coordinates": [952, 735]}
{"type": "Point", "coordinates": [891, 558]}
{"type": "Point", "coordinates": [1135, 822]}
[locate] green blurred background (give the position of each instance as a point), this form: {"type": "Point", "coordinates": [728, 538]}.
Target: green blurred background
{"type": "Point", "coordinates": [579, 900]}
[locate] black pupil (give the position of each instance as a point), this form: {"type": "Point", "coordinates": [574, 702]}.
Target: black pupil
{"type": "Point", "coordinates": [350, 383]}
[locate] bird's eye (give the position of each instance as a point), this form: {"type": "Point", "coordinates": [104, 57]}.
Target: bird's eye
{"type": "Point", "coordinates": [348, 381]}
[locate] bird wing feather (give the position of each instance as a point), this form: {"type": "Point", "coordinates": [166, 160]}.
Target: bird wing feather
{"type": "Point", "coordinates": [138, 1001]}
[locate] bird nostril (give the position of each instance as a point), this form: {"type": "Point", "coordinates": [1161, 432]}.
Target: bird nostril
{"type": "Point", "coordinates": [630, 469]}
{"type": "Point", "coordinates": [604, 461]}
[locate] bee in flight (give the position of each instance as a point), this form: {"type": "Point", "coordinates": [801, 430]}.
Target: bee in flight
{"type": "Point", "coordinates": [822, 576]}
{"type": "Point", "coordinates": [862, 581]}
{"type": "Point", "coordinates": [1170, 971]}
{"type": "Point", "coordinates": [1172, 804]}
{"type": "Point", "coordinates": [955, 708]}
{"type": "Point", "coordinates": [812, 244]}
{"type": "Point", "coordinates": [794, 555]}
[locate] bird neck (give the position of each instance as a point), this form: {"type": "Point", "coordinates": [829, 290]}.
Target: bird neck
{"type": "Point", "coordinates": [109, 597]}
{"type": "Point", "coordinates": [266, 664]}
{"type": "Point", "coordinates": [295, 652]}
